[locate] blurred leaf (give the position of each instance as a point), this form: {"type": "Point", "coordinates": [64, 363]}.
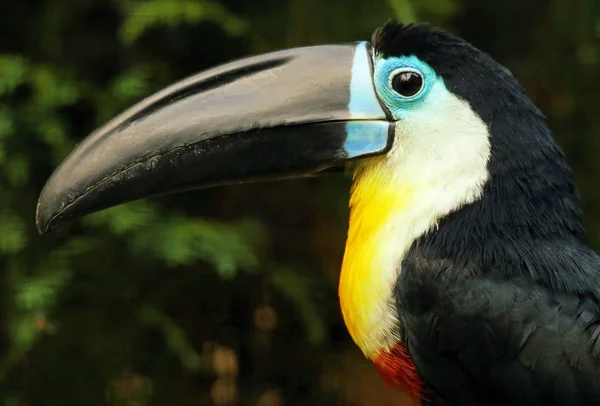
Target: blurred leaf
{"type": "Point", "coordinates": [403, 10]}
{"type": "Point", "coordinates": [6, 124]}
{"type": "Point", "coordinates": [33, 298]}
{"type": "Point", "coordinates": [589, 54]}
{"type": "Point", "coordinates": [180, 241]}
{"type": "Point", "coordinates": [23, 334]}
{"type": "Point", "coordinates": [12, 233]}
{"type": "Point", "coordinates": [52, 90]}
{"type": "Point", "coordinates": [14, 400]}
{"type": "Point", "coordinates": [125, 218]}
{"type": "Point", "coordinates": [130, 85]}
{"type": "Point", "coordinates": [13, 71]}
{"type": "Point", "coordinates": [53, 133]}
{"type": "Point", "coordinates": [175, 338]}
{"type": "Point", "coordinates": [39, 293]}
{"type": "Point", "coordinates": [228, 246]}
{"type": "Point", "coordinates": [299, 290]}
{"type": "Point", "coordinates": [439, 8]}
{"type": "Point", "coordinates": [171, 13]}
{"type": "Point", "coordinates": [17, 169]}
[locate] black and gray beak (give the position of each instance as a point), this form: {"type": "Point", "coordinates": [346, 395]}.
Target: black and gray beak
{"type": "Point", "coordinates": [290, 113]}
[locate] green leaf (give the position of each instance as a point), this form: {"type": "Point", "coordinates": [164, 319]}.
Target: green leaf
{"type": "Point", "coordinates": [52, 132]}
{"type": "Point", "coordinates": [12, 233]}
{"type": "Point", "coordinates": [439, 8]}
{"type": "Point", "coordinates": [298, 289]}
{"type": "Point", "coordinates": [23, 334]}
{"type": "Point", "coordinates": [17, 169]}
{"type": "Point", "coordinates": [130, 85]}
{"type": "Point", "coordinates": [182, 241]}
{"type": "Point", "coordinates": [13, 72]}
{"type": "Point", "coordinates": [404, 10]}
{"type": "Point", "coordinates": [175, 337]}
{"type": "Point", "coordinates": [52, 90]}
{"type": "Point", "coordinates": [172, 13]}
{"type": "Point", "coordinates": [33, 298]}
{"type": "Point", "coordinates": [39, 293]}
{"type": "Point", "coordinates": [125, 218]}
{"type": "Point", "coordinates": [6, 123]}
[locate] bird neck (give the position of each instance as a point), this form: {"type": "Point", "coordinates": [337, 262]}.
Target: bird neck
{"type": "Point", "coordinates": [438, 164]}
{"type": "Point", "coordinates": [527, 223]}
{"type": "Point", "coordinates": [370, 260]}
{"type": "Point", "coordinates": [492, 204]}
{"type": "Point", "coordinates": [388, 212]}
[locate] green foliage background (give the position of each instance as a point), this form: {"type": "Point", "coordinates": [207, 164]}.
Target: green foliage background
{"type": "Point", "coordinates": [224, 296]}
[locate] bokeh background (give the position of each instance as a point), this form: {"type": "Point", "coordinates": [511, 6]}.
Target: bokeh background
{"type": "Point", "coordinates": [225, 296]}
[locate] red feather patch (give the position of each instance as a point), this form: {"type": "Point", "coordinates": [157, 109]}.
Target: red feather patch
{"type": "Point", "coordinates": [398, 369]}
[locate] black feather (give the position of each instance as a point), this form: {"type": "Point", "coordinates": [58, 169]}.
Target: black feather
{"type": "Point", "coordinates": [499, 304]}
{"type": "Point", "coordinates": [529, 220]}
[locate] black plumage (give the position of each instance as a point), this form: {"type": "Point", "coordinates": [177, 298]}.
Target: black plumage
{"type": "Point", "coordinates": [499, 305]}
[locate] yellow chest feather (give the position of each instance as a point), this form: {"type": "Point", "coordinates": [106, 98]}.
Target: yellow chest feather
{"type": "Point", "coordinates": [371, 260]}
{"type": "Point", "coordinates": [437, 165]}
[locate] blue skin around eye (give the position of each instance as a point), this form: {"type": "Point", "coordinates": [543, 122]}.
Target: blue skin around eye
{"type": "Point", "coordinates": [365, 138]}
{"type": "Point", "coordinates": [398, 105]}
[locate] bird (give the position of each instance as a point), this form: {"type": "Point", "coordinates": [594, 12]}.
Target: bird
{"type": "Point", "coordinates": [467, 277]}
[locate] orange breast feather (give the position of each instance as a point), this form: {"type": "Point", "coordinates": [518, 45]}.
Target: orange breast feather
{"type": "Point", "coordinates": [399, 370]}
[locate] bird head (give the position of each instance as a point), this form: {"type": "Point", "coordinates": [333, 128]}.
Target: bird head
{"type": "Point", "coordinates": [472, 176]}
{"type": "Point", "coordinates": [291, 113]}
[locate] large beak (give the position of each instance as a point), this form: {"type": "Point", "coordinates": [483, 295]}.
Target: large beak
{"type": "Point", "coordinates": [290, 113]}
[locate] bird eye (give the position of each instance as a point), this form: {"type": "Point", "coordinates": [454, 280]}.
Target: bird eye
{"type": "Point", "coordinates": [407, 83]}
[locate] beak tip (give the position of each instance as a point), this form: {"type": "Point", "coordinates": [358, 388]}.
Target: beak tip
{"type": "Point", "coordinates": [41, 220]}
{"type": "Point", "coordinates": [47, 215]}
{"type": "Point", "coordinates": [40, 229]}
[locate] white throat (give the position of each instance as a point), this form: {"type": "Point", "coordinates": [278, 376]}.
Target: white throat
{"type": "Point", "coordinates": [438, 163]}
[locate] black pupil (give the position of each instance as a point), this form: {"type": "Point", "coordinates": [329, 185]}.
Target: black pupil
{"type": "Point", "coordinates": [407, 83]}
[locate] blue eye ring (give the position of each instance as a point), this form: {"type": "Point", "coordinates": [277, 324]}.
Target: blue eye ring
{"type": "Point", "coordinates": [416, 75]}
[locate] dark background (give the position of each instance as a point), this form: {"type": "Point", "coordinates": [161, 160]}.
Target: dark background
{"type": "Point", "coordinates": [225, 296]}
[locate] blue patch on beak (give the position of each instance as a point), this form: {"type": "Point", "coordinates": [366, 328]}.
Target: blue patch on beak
{"type": "Point", "coordinates": [365, 137]}
{"type": "Point", "coordinates": [365, 134]}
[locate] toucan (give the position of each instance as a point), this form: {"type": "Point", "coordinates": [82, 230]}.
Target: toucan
{"type": "Point", "coordinates": [467, 277]}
